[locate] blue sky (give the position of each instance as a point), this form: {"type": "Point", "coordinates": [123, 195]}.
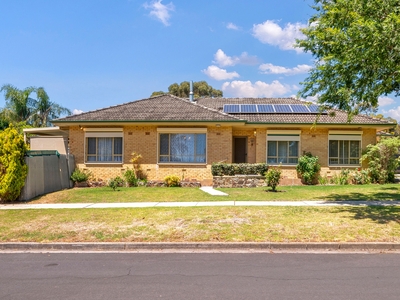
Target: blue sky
{"type": "Point", "coordinates": [91, 54]}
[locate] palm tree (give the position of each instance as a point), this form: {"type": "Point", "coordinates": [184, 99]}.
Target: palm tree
{"type": "Point", "coordinates": [20, 107]}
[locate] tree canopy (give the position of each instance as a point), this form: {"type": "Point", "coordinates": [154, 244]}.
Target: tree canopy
{"type": "Point", "coordinates": [356, 44]}
{"type": "Point", "coordinates": [21, 107]}
{"type": "Point", "coordinates": [200, 89]}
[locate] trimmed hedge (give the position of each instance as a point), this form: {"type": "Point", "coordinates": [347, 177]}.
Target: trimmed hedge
{"type": "Point", "coordinates": [218, 169]}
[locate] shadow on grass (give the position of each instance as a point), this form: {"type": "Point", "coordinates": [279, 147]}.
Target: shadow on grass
{"type": "Point", "coordinates": [377, 214]}
{"type": "Point", "coordinates": [386, 193]}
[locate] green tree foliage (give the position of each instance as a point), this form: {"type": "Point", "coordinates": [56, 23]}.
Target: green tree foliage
{"type": "Point", "coordinates": [356, 44]}
{"type": "Point", "coordinates": [20, 107]}
{"type": "Point", "coordinates": [13, 169]}
{"type": "Point", "coordinates": [200, 89]}
{"type": "Point", "coordinates": [382, 159]}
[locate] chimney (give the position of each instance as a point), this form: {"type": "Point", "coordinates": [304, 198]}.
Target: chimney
{"type": "Point", "coordinates": [191, 91]}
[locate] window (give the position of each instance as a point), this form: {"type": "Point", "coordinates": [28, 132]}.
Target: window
{"type": "Point", "coordinates": [344, 148]}
{"type": "Point", "coordinates": [283, 147]}
{"type": "Point", "coordinates": [181, 145]}
{"type": "Point", "coordinates": [103, 147]}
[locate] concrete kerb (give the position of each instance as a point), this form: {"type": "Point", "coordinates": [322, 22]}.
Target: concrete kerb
{"type": "Point", "coordinates": [246, 246]}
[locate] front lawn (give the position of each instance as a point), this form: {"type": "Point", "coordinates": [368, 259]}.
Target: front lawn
{"type": "Point", "coordinates": [285, 193]}
{"type": "Point", "coordinates": [203, 224]}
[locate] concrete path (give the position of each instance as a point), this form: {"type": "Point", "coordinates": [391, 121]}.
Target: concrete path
{"type": "Point", "coordinates": [198, 204]}
{"type": "Point", "coordinates": [210, 190]}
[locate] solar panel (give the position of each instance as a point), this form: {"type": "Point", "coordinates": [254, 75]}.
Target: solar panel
{"type": "Point", "coordinates": [231, 108]}
{"type": "Point", "coordinates": [282, 108]}
{"type": "Point", "coordinates": [314, 108]}
{"type": "Point", "coordinates": [299, 108]}
{"type": "Point", "coordinates": [265, 108]}
{"type": "Point", "coordinates": [248, 108]}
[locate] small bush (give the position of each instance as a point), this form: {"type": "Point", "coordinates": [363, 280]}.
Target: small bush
{"type": "Point", "coordinates": [130, 178]}
{"type": "Point", "coordinates": [80, 175]}
{"type": "Point", "coordinates": [361, 177]}
{"type": "Point", "coordinates": [308, 168]}
{"type": "Point", "coordinates": [116, 182]}
{"type": "Point", "coordinates": [323, 180]}
{"type": "Point", "coordinates": [273, 177]}
{"type": "Point", "coordinates": [172, 181]}
{"type": "Point", "coordinates": [221, 169]}
{"type": "Point", "coordinates": [343, 178]}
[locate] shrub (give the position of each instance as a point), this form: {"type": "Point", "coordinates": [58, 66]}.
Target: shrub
{"type": "Point", "coordinates": [115, 182]}
{"type": "Point", "coordinates": [80, 175]}
{"type": "Point", "coordinates": [130, 178]}
{"type": "Point", "coordinates": [342, 178]}
{"type": "Point", "coordinates": [382, 160]}
{"type": "Point", "coordinates": [172, 181]}
{"type": "Point", "coordinates": [220, 169]}
{"type": "Point", "coordinates": [308, 167]}
{"type": "Point", "coordinates": [273, 177]}
{"type": "Point", "coordinates": [323, 180]}
{"type": "Point", "coordinates": [13, 169]}
{"type": "Point", "coordinates": [361, 177]}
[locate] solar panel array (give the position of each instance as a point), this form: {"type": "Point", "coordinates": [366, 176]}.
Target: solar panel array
{"type": "Point", "coordinates": [272, 109]}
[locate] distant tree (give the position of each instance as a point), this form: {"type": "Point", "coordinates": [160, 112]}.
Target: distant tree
{"type": "Point", "coordinates": [200, 89]}
{"type": "Point", "coordinates": [20, 107]}
{"type": "Point", "coordinates": [356, 46]}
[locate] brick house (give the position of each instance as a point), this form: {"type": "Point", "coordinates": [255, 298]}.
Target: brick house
{"type": "Point", "coordinates": [182, 137]}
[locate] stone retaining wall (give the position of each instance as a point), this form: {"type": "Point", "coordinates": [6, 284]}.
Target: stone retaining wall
{"type": "Point", "coordinates": [238, 181]}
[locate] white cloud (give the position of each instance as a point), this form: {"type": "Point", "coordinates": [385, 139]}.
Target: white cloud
{"type": "Point", "coordinates": [232, 26]}
{"type": "Point", "coordinates": [77, 111]}
{"type": "Point", "coordinates": [271, 33]}
{"type": "Point", "coordinates": [385, 101]}
{"type": "Point", "coordinates": [258, 89]}
{"type": "Point", "coordinates": [160, 11]}
{"type": "Point", "coordinates": [394, 113]}
{"type": "Point", "coordinates": [219, 74]}
{"type": "Point", "coordinates": [223, 60]}
{"type": "Point", "coordinates": [272, 69]}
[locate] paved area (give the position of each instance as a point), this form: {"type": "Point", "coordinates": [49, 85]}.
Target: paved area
{"type": "Point", "coordinates": [197, 204]}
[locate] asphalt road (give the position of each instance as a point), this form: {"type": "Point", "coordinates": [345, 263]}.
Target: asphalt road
{"type": "Point", "coordinates": [199, 276]}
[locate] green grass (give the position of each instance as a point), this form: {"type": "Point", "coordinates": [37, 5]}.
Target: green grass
{"type": "Point", "coordinates": [201, 224]}
{"type": "Point", "coordinates": [285, 193]}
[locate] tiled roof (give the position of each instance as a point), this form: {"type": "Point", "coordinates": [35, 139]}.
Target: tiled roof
{"type": "Point", "coordinates": [159, 108]}
{"type": "Point", "coordinates": [333, 116]}
{"type": "Point", "coordinates": [170, 108]}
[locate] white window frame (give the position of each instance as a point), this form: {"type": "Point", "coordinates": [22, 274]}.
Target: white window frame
{"type": "Point", "coordinates": [99, 133]}
{"type": "Point", "coordinates": [283, 135]}
{"type": "Point", "coordinates": [181, 131]}
{"type": "Point", "coordinates": [342, 135]}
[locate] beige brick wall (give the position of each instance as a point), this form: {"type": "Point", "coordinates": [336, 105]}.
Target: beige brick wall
{"type": "Point", "coordinates": [143, 140]}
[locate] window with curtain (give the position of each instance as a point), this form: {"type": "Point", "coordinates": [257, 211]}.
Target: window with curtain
{"type": "Point", "coordinates": [182, 147]}
{"type": "Point", "coordinates": [344, 152]}
{"type": "Point", "coordinates": [283, 149]}
{"type": "Point", "coordinates": [104, 149]}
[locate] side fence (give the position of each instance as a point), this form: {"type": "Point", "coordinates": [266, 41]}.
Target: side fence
{"type": "Point", "coordinates": [47, 174]}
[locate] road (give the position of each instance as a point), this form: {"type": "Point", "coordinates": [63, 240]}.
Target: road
{"type": "Point", "coordinates": [199, 276]}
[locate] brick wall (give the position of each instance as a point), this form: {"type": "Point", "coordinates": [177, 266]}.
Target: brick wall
{"type": "Point", "coordinates": [143, 140]}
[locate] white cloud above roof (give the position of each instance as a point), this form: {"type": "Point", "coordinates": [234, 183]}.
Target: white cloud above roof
{"type": "Point", "coordinates": [394, 113]}
{"type": "Point", "coordinates": [385, 101]}
{"type": "Point", "coordinates": [217, 73]}
{"type": "Point", "coordinates": [77, 111]}
{"type": "Point", "coordinates": [271, 33]}
{"type": "Point", "coordinates": [160, 11]}
{"type": "Point", "coordinates": [258, 89]}
{"type": "Point", "coordinates": [223, 60]}
{"type": "Point", "coordinates": [272, 69]}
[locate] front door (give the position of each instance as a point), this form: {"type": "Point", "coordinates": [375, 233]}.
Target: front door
{"type": "Point", "coordinates": [239, 149]}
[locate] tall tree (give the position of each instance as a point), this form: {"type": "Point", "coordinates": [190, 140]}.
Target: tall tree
{"type": "Point", "coordinates": [200, 89]}
{"type": "Point", "coordinates": [356, 44]}
{"type": "Point", "coordinates": [20, 107]}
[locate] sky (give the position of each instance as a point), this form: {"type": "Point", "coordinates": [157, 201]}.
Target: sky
{"type": "Point", "coordinates": [91, 54]}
